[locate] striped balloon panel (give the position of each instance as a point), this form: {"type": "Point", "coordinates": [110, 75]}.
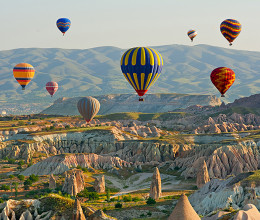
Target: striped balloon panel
{"type": "Point", "coordinates": [52, 87]}
{"type": "Point", "coordinates": [141, 67]}
{"type": "Point", "coordinates": [230, 29]}
{"type": "Point", "coordinates": [88, 107]}
{"type": "Point", "coordinates": [63, 24]}
{"type": "Point", "coordinates": [222, 78]}
{"type": "Point", "coordinates": [23, 73]}
{"type": "Point", "coordinates": [192, 34]}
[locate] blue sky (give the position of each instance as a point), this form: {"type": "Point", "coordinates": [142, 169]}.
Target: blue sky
{"type": "Point", "coordinates": [126, 23]}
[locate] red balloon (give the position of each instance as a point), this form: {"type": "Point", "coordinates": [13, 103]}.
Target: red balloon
{"type": "Point", "coordinates": [52, 87]}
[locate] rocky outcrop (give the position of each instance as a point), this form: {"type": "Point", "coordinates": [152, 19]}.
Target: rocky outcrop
{"type": "Point", "coordinates": [221, 160]}
{"type": "Point", "coordinates": [202, 175]}
{"type": "Point", "coordinates": [26, 215]}
{"type": "Point", "coordinates": [77, 211]}
{"type": "Point", "coordinates": [99, 215]}
{"type": "Point", "coordinates": [222, 194]}
{"type": "Point", "coordinates": [7, 214]}
{"type": "Point", "coordinates": [233, 123]}
{"type": "Point", "coordinates": [60, 163]}
{"type": "Point", "coordinates": [249, 212]}
{"type": "Point", "coordinates": [52, 182]}
{"type": "Point", "coordinates": [156, 185]}
{"type": "Point", "coordinates": [183, 210]}
{"type": "Point", "coordinates": [74, 182]}
{"type": "Point", "coordinates": [99, 184]}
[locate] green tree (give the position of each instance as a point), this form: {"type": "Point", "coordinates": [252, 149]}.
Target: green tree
{"type": "Point", "coordinates": [21, 177]}
{"type": "Point", "coordinates": [108, 195]}
{"type": "Point", "coordinates": [150, 201]}
{"type": "Point", "coordinates": [5, 187]}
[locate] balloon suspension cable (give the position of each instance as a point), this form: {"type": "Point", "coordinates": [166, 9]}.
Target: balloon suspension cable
{"type": "Point", "coordinates": [23, 88]}
{"type": "Point", "coordinates": [63, 34]}
{"type": "Point", "coordinates": [222, 95]}
{"type": "Point", "coordinates": [141, 99]}
{"type": "Point", "coordinates": [191, 39]}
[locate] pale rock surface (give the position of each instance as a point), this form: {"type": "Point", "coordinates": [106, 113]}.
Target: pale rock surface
{"type": "Point", "coordinates": [99, 215]}
{"type": "Point", "coordinates": [183, 210]}
{"type": "Point", "coordinates": [249, 212]}
{"type": "Point", "coordinates": [99, 184]}
{"type": "Point", "coordinates": [7, 214]}
{"type": "Point", "coordinates": [216, 216]}
{"type": "Point", "coordinates": [26, 215]}
{"type": "Point", "coordinates": [52, 182]}
{"type": "Point", "coordinates": [156, 185]}
{"type": "Point", "coordinates": [74, 182]}
{"type": "Point", "coordinates": [77, 211]}
{"type": "Point", "coordinates": [202, 175]}
{"type": "Point", "coordinates": [220, 194]}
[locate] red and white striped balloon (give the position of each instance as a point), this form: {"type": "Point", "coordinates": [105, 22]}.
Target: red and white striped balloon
{"type": "Point", "coordinates": [52, 87]}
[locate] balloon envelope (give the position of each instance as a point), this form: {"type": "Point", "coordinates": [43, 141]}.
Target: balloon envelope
{"type": "Point", "coordinates": [230, 29]}
{"type": "Point", "coordinates": [88, 107]}
{"type": "Point", "coordinates": [222, 78]}
{"type": "Point", "coordinates": [52, 87]}
{"type": "Point", "coordinates": [141, 67]}
{"type": "Point", "coordinates": [63, 24]}
{"type": "Point", "coordinates": [23, 73]}
{"type": "Point", "coordinates": [192, 34]}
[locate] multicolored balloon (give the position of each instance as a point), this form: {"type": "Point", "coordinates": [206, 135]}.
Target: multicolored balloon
{"type": "Point", "coordinates": [192, 34]}
{"type": "Point", "coordinates": [141, 67]}
{"type": "Point", "coordinates": [52, 87]}
{"type": "Point", "coordinates": [230, 29]}
{"type": "Point", "coordinates": [88, 107]}
{"type": "Point", "coordinates": [63, 24]}
{"type": "Point", "coordinates": [23, 73]}
{"type": "Point", "coordinates": [222, 78]}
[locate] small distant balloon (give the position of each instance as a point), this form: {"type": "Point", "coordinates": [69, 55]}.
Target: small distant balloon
{"type": "Point", "coordinates": [63, 24]}
{"type": "Point", "coordinates": [88, 107]}
{"type": "Point", "coordinates": [52, 87]}
{"type": "Point", "coordinates": [192, 34]}
{"type": "Point", "coordinates": [23, 73]}
{"type": "Point", "coordinates": [230, 29]}
{"type": "Point", "coordinates": [222, 78]}
{"type": "Point", "coordinates": [141, 67]}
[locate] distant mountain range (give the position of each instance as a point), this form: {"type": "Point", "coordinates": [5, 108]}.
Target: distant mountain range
{"type": "Point", "coordinates": [153, 103]}
{"type": "Point", "coordinates": [97, 72]}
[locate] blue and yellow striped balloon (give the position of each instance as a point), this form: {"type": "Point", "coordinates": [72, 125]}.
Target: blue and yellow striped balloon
{"type": "Point", "coordinates": [141, 67]}
{"type": "Point", "coordinates": [23, 73]}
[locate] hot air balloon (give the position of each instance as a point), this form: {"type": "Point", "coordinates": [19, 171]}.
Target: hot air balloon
{"type": "Point", "coordinates": [222, 78]}
{"type": "Point", "coordinates": [63, 24]}
{"type": "Point", "coordinates": [52, 87]}
{"type": "Point", "coordinates": [230, 29]}
{"type": "Point", "coordinates": [141, 67]}
{"type": "Point", "coordinates": [88, 107]}
{"type": "Point", "coordinates": [192, 34]}
{"type": "Point", "coordinates": [23, 73]}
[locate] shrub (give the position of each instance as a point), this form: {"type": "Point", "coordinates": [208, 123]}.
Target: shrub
{"type": "Point", "coordinates": [21, 162]}
{"type": "Point", "coordinates": [127, 198]}
{"type": "Point", "coordinates": [5, 197]}
{"type": "Point", "coordinates": [108, 195]}
{"type": "Point", "coordinates": [34, 178]}
{"type": "Point", "coordinates": [5, 187]}
{"type": "Point", "coordinates": [136, 199]}
{"type": "Point", "coordinates": [149, 213]}
{"type": "Point", "coordinates": [21, 177]}
{"type": "Point", "coordinates": [21, 123]}
{"type": "Point", "coordinates": [118, 205]}
{"type": "Point", "coordinates": [150, 201]}
{"type": "Point", "coordinates": [11, 161]}
{"type": "Point", "coordinates": [67, 127]}
{"type": "Point", "coordinates": [19, 167]}
{"type": "Point", "coordinates": [1, 201]}
{"type": "Point", "coordinates": [11, 176]}
{"type": "Point", "coordinates": [90, 195]}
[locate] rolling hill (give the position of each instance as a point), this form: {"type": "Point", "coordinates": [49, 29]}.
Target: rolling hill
{"type": "Point", "coordinates": [97, 71]}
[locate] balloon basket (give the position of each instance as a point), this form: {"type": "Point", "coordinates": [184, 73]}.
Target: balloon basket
{"type": "Point", "coordinates": [141, 99]}
{"type": "Point", "coordinates": [222, 95]}
{"type": "Point", "coordinates": [23, 88]}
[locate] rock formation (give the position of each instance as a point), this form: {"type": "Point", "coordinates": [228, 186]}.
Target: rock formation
{"type": "Point", "coordinates": [26, 215]}
{"type": "Point", "coordinates": [77, 211]}
{"type": "Point", "coordinates": [99, 184]}
{"type": "Point", "coordinates": [7, 214]}
{"type": "Point", "coordinates": [52, 182]}
{"type": "Point", "coordinates": [202, 175]}
{"type": "Point", "coordinates": [221, 194]}
{"type": "Point", "coordinates": [156, 185]}
{"type": "Point", "coordinates": [183, 210]}
{"type": "Point", "coordinates": [249, 212]}
{"type": "Point", "coordinates": [99, 215]}
{"type": "Point", "coordinates": [74, 182]}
